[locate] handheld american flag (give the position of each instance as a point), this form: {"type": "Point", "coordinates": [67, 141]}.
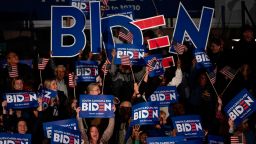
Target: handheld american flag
{"type": "Point", "coordinates": [71, 80]}
{"type": "Point", "coordinates": [13, 71]}
{"type": "Point", "coordinates": [228, 72]}
{"type": "Point", "coordinates": [212, 77]}
{"type": "Point", "coordinates": [125, 60]}
{"type": "Point", "coordinates": [104, 67]}
{"type": "Point", "coordinates": [42, 62]}
{"type": "Point", "coordinates": [125, 35]}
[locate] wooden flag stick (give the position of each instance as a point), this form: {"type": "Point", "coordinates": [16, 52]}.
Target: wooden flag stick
{"type": "Point", "coordinates": [41, 79]}
{"type": "Point", "coordinates": [132, 74]}
{"type": "Point", "coordinates": [229, 82]}
{"type": "Point", "coordinates": [74, 90]}
{"type": "Point", "coordinates": [212, 85]}
{"type": "Point", "coordinates": [103, 82]}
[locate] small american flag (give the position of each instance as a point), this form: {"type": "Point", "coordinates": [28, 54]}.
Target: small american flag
{"type": "Point", "coordinates": [237, 139]}
{"type": "Point", "coordinates": [42, 62]}
{"type": "Point", "coordinates": [105, 2]}
{"type": "Point", "coordinates": [212, 77]}
{"type": "Point", "coordinates": [104, 67]}
{"type": "Point", "coordinates": [151, 63]}
{"type": "Point", "coordinates": [71, 80]}
{"type": "Point", "coordinates": [180, 48]}
{"type": "Point", "coordinates": [13, 71]}
{"type": "Point", "coordinates": [125, 60]}
{"type": "Point", "coordinates": [228, 72]}
{"type": "Point", "coordinates": [125, 35]}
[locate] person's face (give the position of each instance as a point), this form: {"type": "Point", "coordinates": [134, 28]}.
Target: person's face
{"type": "Point", "coordinates": [12, 58]}
{"type": "Point", "coordinates": [143, 138]}
{"type": "Point", "coordinates": [53, 85]}
{"type": "Point", "coordinates": [248, 35]}
{"type": "Point", "coordinates": [215, 48]}
{"type": "Point", "coordinates": [94, 133]}
{"type": "Point", "coordinates": [22, 127]}
{"type": "Point", "coordinates": [202, 80]}
{"type": "Point", "coordinates": [60, 73]}
{"type": "Point", "coordinates": [18, 85]}
{"type": "Point", "coordinates": [95, 91]}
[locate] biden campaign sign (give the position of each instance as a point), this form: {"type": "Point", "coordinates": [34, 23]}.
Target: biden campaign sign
{"type": "Point", "coordinates": [188, 126]}
{"type": "Point", "coordinates": [62, 135]}
{"type": "Point", "coordinates": [86, 71]}
{"type": "Point", "coordinates": [68, 123]}
{"type": "Point", "coordinates": [145, 113]}
{"type": "Point", "coordinates": [164, 95]}
{"type": "Point", "coordinates": [100, 106]}
{"type": "Point", "coordinates": [20, 100]}
{"type": "Point", "coordinates": [240, 107]}
{"type": "Point", "coordinates": [7, 138]}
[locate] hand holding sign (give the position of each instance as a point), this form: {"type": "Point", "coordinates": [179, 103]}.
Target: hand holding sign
{"type": "Point", "coordinates": [136, 132]}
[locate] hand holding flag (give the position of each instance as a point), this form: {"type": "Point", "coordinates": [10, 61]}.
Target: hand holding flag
{"type": "Point", "coordinates": [104, 67]}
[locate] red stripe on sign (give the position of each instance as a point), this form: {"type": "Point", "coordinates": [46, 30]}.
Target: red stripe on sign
{"type": "Point", "coordinates": [151, 22]}
{"type": "Point", "coordinates": [158, 42]}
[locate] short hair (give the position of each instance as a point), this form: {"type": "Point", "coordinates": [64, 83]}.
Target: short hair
{"type": "Point", "coordinates": [47, 83]}
{"type": "Point", "coordinates": [59, 67]}
{"type": "Point", "coordinates": [91, 86]}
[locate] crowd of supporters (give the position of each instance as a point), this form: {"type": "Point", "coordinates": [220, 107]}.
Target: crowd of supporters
{"type": "Point", "coordinates": [199, 94]}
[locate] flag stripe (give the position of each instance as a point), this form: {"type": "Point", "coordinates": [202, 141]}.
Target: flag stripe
{"type": "Point", "coordinates": [71, 80]}
{"type": "Point", "coordinates": [13, 71]}
{"type": "Point", "coordinates": [125, 60]}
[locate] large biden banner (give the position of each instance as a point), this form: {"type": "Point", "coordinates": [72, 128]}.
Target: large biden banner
{"type": "Point", "coordinates": [240, 107]}
{"type": "Point", "coordinates": [100, 106]}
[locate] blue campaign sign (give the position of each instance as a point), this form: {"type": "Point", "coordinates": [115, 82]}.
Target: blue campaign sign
{"type": "Point", "coordinates": [100, 106]}
{"type": "Point", "coordinates": [166, 140]}
{"type": "Point", "coordinates": [15, 138]}
{"type": "Point", "coordinates": [127, 11]}
{"type": "Point", "coordinates": [145, 8]}
{"type": "Point", "coordinates": [62, 135]}
{"type": "Point", "coordinates": [68, 123]}
{"type": "Point", "coordinates": [165, 95]}
{"type": "Point", "coordinates": [213, 139]}
{"type": "Point", "coordinates": [46, 95]}
{"type": "Point", "coordinates": [188, 126]}
{"type": "Point", "coordinates": [203, 61]}
{"type": "Point", "coordinates": [155, 61]}
{"type": "Point", "coordinates": [86, 71]}
{"type": "Point", "coordinates": [21, 100]}
{"type": "Point", "coordinates": [136, 54]}
{"type": "Point", "coordinates": [146, 113]}
{"type": "Point", "coordinates": [240, 107]}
